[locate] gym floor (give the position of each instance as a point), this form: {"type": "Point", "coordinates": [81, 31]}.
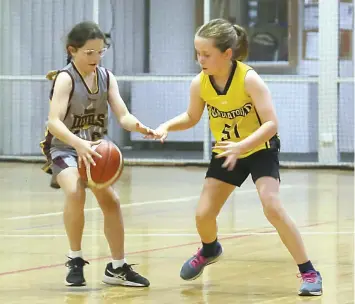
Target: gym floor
{"type": "Point", "coordinates": [158, 206]}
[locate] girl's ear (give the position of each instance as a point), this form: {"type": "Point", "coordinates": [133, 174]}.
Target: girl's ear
{"type": "Point", "coordinates": [72, 50]}
{"type": "Point", "coordinates": [228, 53]}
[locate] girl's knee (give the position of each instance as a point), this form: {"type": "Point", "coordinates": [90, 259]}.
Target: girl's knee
{"type": "Point", "coordinates": [272, 207]}
{"type": "Point", "coordinates": [107, 199]}
{"type": "Point", "coordinates": [76, 195]}
{"type": "Point", "coordinates": [269, 197]}
{"type": "Point", "coordinates": [205, 215]}
{"type": "Point", "coordinates": [72, 185]}
{"type": "Point", "coordinates": [274, 212]}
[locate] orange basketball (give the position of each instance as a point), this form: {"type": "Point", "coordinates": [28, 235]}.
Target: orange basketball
{"type": "Point", "coordinates": [108, 168]}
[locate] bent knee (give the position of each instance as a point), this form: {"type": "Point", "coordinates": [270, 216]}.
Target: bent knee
{"type": "Point", "coordinates": [271, 205]}
{"type": "Point", "coordinates": [72, 185]}
{"type": "Point", "coordinates": [75, 195]}
{"type": "Point", "coordinates": [108, 199]}
{"type": "Point", "coordinates": [269, 198]}
{"type": "Point", "coordinates": [273, 211]}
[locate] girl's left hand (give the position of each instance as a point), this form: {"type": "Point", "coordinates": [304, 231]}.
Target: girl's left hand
{"type": "Point", "coordinates": [232, 151]}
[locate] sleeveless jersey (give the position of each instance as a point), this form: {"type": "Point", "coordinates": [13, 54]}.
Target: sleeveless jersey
{"type": "Point", "coordinates": [232, 115]}
{"type": "Point", "coordinates": [87, 113]}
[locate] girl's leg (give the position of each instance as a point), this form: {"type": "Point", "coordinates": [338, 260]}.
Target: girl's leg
{"type": "Point", "coordinates": [74, 189]}
{"type": "Point", "coordinates": [268, 190]}
{"type": "Point", "coordinates": [118, 272]}
{"type": "Point", "coordinates": [214, 195]}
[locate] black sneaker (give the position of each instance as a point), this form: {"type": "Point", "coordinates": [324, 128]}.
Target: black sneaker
{"type": "Point", "coordinates": [124, 276]}
{"type": "Point", "coordinates": [75, 276]}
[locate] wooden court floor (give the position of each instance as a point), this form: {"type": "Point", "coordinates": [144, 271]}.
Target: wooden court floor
{"type": "Point", "coordinates": [158, 206]}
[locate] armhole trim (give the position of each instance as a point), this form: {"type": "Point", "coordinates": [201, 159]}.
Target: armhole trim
{"type": "Point", "coordinates": [71, 92]}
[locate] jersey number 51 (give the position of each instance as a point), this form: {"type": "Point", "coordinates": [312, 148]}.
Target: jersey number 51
{"type": "Point", "coordinates": [228, 130]}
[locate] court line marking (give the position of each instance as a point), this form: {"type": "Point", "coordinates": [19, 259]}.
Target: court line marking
{"type": "Point", "coordinates": [174, 200]}
{"type": "Point", "coordinates": [144, 203]}
{"type": "Point", "coordinates": [177, 234]}
{"type": "Point", "coordinates": [147, 250]}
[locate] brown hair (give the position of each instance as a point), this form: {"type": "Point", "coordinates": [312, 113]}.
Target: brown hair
{"type": "Point", "coordinates": [81, 33]}
{"type": "Point", "coordinates": [225, 36]}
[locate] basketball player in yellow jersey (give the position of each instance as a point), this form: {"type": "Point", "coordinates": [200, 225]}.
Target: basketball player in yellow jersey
{"type": "Point", "coordinates": [244, 124]}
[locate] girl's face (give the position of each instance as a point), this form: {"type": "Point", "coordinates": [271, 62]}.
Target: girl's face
{"type": "Point", "coordinates": [89, 55]}
{"type": "Point", "coordinates": [210, 58]}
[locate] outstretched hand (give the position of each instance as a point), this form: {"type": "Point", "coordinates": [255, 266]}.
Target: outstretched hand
{"type": "Point", "coordinates": [162, 133]}
{"type": "Point", "coordinates": [146, 131]}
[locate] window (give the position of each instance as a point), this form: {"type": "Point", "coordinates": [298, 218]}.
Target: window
{"type": "Point", "coordinates": [272, 30]}
{"type": "Point", "coordinates": [311, 28]}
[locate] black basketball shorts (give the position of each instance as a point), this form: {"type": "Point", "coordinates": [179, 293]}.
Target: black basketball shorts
{"type": "Point", "coordinates": [259, 164]}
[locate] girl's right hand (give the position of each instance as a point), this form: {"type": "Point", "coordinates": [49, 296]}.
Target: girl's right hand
{"type": "Point", "coordinates": [85, 152]}
{"type": "Point", "coordinates": [161, 132]}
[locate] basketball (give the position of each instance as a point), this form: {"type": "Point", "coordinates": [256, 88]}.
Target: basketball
{"type": "Point", "coordinates": [108, 168]}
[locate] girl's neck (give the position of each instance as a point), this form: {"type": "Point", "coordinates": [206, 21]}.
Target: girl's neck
{"type": "Point", "coordinates": [224, 73]}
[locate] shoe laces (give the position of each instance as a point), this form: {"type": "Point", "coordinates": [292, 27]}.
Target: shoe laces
{"type": "Point", "coordinates": [76, 263]}
{"type": "Point", "coordinates": [128, 269]}
{"type": "Point", "coordinates": [309, 277]}
{"type": "Point", "coordinates": [198, 259]}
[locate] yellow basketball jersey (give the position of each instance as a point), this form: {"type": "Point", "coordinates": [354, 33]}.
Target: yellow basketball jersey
{"type": "Point", "coordinates": [232, 115]}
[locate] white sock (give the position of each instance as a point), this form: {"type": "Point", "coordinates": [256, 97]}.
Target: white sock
{"type": "Point", "coordinates": [75, 254]}
{"type": "Point", "coordinates": [118, 263]}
